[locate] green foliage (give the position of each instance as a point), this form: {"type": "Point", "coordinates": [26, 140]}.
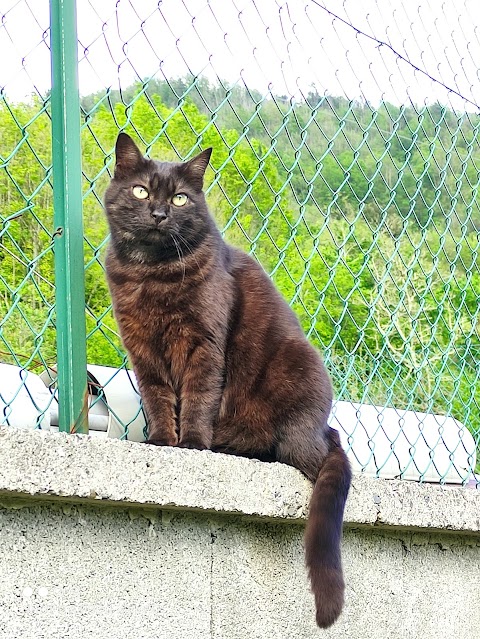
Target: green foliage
{"type": "Point", "coordinates": [367, 219]}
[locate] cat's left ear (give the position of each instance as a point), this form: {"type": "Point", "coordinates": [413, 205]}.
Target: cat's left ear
{"type": "Point", "coordinates": [128, 157]}
{"type": "Point", "coordinates": [196, 167]}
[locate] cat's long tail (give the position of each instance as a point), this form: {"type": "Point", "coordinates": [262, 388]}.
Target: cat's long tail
{"type": "Point", "coordinates": [324, 531]}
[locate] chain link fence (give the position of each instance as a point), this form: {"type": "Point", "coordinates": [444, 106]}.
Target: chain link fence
{"type": "Point", "coordinates": [346, 160]}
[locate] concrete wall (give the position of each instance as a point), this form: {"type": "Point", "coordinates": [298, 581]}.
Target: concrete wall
{"type": "Point", "coordinates": [110, 539]}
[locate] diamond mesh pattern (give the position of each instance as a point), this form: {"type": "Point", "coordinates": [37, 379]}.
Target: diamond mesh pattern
{"type": "Point", "coordinates": [345, 160]}
{"type": "Point", "coordinates": [26, 260]}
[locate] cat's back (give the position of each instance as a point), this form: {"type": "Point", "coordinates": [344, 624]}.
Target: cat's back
{"type": "Point", "coordinates": [257, 302]}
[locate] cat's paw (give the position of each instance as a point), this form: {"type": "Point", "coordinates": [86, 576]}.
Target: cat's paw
{"type": "Point", "coordinates": [155, 441]}
{"type": "Point", "coordinates": [194, 443]}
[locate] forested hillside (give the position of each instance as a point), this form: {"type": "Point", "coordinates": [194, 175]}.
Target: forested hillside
{"type": "Point", "coordinates": [366, 218]}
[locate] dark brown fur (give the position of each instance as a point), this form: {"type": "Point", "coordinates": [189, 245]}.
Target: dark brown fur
{"type": "Point", "coordinates": [221, 360]}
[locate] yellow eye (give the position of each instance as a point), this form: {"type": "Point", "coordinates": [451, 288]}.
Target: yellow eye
{"type": "Point", "coordinates": [140, 192]}
{"type": "Point", "coordinates": [179, 199]}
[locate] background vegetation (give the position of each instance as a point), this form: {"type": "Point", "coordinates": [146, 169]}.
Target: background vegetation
{"type": "Point", "coordinates": [367, 218]}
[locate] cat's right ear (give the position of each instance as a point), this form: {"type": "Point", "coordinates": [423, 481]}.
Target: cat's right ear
{"type": "Point", "coordinates": [127, 156]}
{"type": "Point", "coordinates": [196, 167]}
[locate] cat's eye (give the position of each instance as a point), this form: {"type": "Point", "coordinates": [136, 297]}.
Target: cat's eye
{"type": "Point", "coordinates": [140, 192]}
{"type": "Point", "coordinates": [179, 199]}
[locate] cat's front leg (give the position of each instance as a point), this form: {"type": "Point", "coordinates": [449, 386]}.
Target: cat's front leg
{"type": "Point", "coordinates": [200, 401]}
{"type": "Point", "coordinates": [159, 402]}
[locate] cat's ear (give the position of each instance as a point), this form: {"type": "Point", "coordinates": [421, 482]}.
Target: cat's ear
{"type": "Point", "coordinates": [127, 156]}
{"type": "Point", "coordinates": [196, 167]}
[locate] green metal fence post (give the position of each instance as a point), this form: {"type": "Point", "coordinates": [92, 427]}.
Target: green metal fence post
{"type": "Point", "coordinates": [67, 189]}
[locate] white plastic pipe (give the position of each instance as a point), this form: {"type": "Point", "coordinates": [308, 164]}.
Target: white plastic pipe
{"type": "Point", "coordinates": [24, 399]}
{"type": "Point", "coordinates": [404, 444]}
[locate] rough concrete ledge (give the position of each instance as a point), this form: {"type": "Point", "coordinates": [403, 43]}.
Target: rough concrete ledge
{"type": "Point", "coordinates": [60, 466]}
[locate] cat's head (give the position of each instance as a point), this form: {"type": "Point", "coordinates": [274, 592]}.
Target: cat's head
{"type": "Point", "coordinates": [155, 207]}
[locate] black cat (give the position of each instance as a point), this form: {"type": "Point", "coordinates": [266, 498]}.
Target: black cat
{"type": "Point", "coordinates": [221, 360]}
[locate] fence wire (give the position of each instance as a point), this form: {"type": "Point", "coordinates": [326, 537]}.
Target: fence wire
{"type": "Point", "coordinates": [346, 160]}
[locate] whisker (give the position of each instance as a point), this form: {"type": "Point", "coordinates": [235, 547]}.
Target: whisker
{"type": "Point", "coordinates": [180, 257]}
{"type": "Point", "coordinates": [192, 253]}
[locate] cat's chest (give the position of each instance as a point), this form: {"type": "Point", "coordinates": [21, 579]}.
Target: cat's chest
{"type": "Point", "coordinates": [157, 324]}
{"type": "Point", "coordinates": [152, 309]}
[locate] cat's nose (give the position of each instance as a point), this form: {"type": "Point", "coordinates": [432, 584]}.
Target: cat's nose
{"type": "Point", "coordinates": [159, 215]}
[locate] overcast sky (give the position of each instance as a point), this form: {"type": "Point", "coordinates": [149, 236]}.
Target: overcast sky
{"type": "Point", "coordinates": [278, 45]}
